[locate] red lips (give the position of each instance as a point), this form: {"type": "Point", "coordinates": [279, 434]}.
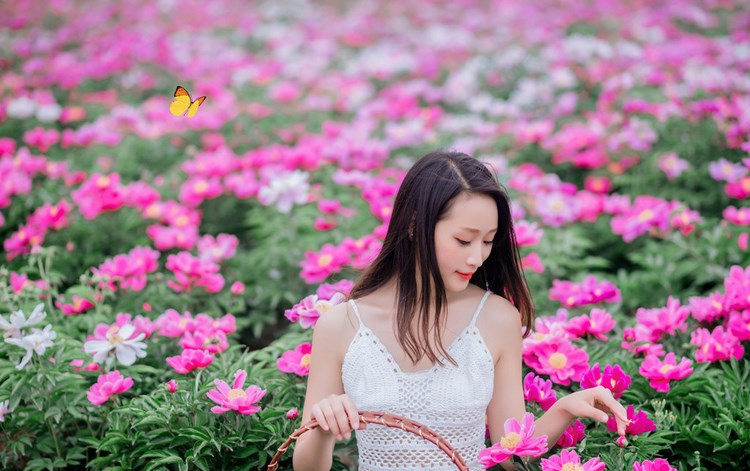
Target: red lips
{"type": "Point", "coordinates": [465, 276]}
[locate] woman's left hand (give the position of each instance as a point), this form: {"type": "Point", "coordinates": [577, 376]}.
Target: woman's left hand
{"type": "Point", "coordinates": [596, 403]}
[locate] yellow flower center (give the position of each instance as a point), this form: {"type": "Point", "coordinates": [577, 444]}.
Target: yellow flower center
{"type": "Point", "coordinates": [571, 467]}
{"type": "Point", "coordinates": [181, 221]}
{"type": "Point", "coordinates": [102, 182]}
{"type": "Point", "coordinates": [304, 362]}
{"type": "Point", "coordinates": [557, 206]}
{"type": "Point", "coordinates": [646, 215]}
{"type": "Point", "coordinates": [200, 187]}
{"type": "Point", "coordinates": [235, 393]}
{"type": "Point", "coordinates": [558, 360]}
{"type": "Point", "coordinates": [325, 260]}
{"type": "Point", "coordinates": [665, 368]}
{"type": "Point", "coordinates": [115, 339]}
{"type": "Point", "coordinates": [510, 441]}
{"type": "Point", "coordinates": [746, 184]}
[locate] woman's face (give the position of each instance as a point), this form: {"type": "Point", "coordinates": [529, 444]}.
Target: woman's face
{"type": "Point", "coordinates": [463, 238]}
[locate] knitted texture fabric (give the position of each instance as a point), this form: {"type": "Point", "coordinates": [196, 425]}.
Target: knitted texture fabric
{"type": "Point", "coordinates": [450, 399]}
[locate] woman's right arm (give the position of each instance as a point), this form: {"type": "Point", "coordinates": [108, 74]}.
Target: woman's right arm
{"type": "Point", "coordinates": [325, 399]}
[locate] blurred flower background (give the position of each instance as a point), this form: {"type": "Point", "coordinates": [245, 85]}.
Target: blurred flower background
{"type": "Point", "coordinates": [148, 260]}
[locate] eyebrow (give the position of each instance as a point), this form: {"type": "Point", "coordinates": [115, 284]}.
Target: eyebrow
{"type": "Point", "coordinates": [475, 231]}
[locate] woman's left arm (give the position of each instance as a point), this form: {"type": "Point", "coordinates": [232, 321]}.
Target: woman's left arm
{"type": "Point", "coordinates": [507, 397]}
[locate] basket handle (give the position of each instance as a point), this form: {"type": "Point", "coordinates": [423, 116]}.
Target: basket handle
{"type": "Point", "coordinates": [389, 420]}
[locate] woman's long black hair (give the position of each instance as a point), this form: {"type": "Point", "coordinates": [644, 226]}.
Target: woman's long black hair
{"type": "Point", "coordinates": [408, 251]}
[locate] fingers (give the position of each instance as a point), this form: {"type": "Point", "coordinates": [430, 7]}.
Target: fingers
{"type": "Point", "coordinates": [337, 415]}
{"type": "Point", "coordinates": [604, 397]}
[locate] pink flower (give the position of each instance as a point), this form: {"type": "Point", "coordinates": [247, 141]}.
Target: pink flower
{"type": "Point", "coordinates": [236, 399]}
{"type": "Point", "coordinates": [597, 323]}
{"type": "Point", "coordinates": [589, 291]}
{"type": "Point", "coordinates": [598, 184]}
{"type": "Point", "coordinates": [222, 247]}
{"type": "Point", "coordinates": [724, 170]}
{"type": "Point", "coordinates": [716, 346]}
{"type": "Point", "coordinates": [685, 220]}
{"type": "Point", "coordinates": [532, 262]}
{"type": "Point", "coordinates": [659, 464]}
{"type": "Point", "coordinates": [739, 324]}
{"type": "Point", "coordinates": [98, 194]}
{"type": "Point", "coordinates": [660, 373]}
{"type": "Point", "coordinates": [638, 422]}
{"type": "Point", "coordinates": [78, 306]}
{"type": "Point", "coordinates": [613, 378]}
{"type": "Point", "coordinates": [189, 360]}
{"type": "Point", "coordinates": [317, 266]}
{"type": "Point", "coordinates": [570, 461]}
{"type": "Point", "coordinates": [171, 385]}
{"type": "Point", "coordinates": [647, 214]}
{"type": "Point", "coordinates": [528, 233]}
{"type": "Point", "coordinates": [666, 320]}
{"type": "Point", "coordinates": [296, 361]}
{"type": "Point", "coordinates": [191, 272]}
{"type": "Point", "coordinates": [672, 165]}
{"type": "Point", "coordinates": [562, 362]}
{"type": "Point", "coordinates": [572, 435]}
{"type": "Point", "coordinates": [107, 385]}
{"type": "Point", "coordinates": [737, 288]}
{"type": "Point", "coordinates": [292, 413]}
{"type": "Point", "coordinates": [708, 309]}
{"type": "Point", "coordinates": [237, 288]}
{"type": "Point", "coordinates": [738, 217]}
{"type": "Point", "coordinates": [518, 440]}
{"type": "Point", "coordinates": [538, 390]}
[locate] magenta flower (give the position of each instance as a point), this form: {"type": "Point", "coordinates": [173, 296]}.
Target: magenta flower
{"type": "Point", "coordinates": [518, 440]}
{"type": "Point", "coordinates": [739, 324]}
{"type": "Point", "coordinates": [597, 323]}
{"type": "Point", "coordinates": [190, 359]}
{"type": "Point", "coordinates": [562, 362]}
{"type": "Point", "coordinates": [660, 373]}
{"type": "Point", "coordinates": [647, 214]}
{"type": "Point", "coordinates": [235, 398]}
{"type": "Point", "coordinates": [572, 435]}
{"type": "Point", "coordinates": [737, 287]}
{"type": "Point", "coordinates": [638, 422]}
{"type": "Point", "coordinates": [716, 346]}
{"type": "Point", "coordinates": [612, 378]}
{"type": "Point", "coordinates": [191, 272]}
{"type": "Point", "coordinates": [539, 390]}
{"type": "Point", "coordinates": [171, 385]}
{"type": "Point", "coordinates": [296, 361]}
{"type": "Point", "coordinates": [666, 320]}
{"type": "Point", "coordinates": [317, 266]}
{"type": "Point", "coordinates": [570, 461]}
{"type": "Point", "coordinates": [292, 413]}
{"type": "Point", "coordinates": [78, 305]}
{"type": "Point", "coordinates": [739, 217]}
{"type": "Point", "coordinates": [659, 464]}
{"type": "Point", "coordinates": [590, 291]}
{"type": "Point", "coordinates": [108, 385]}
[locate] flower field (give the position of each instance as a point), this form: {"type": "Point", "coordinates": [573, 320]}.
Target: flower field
{"type": "Point", "coordinates": [160, 272]}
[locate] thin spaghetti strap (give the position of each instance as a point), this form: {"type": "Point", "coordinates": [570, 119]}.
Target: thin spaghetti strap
{"type": "Point", "coordinates": [356, 310]}
{"type": "Point", "coordinates": [479, 308]}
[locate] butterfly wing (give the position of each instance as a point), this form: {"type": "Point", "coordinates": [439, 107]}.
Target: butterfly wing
{"type": "Point", "coordinates": [181, 102]}
{"type": "Point", "coordinates": [193, 108]}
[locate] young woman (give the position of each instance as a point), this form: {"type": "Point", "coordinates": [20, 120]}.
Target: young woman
{"type": "Point", "coordinates": [433, 332]}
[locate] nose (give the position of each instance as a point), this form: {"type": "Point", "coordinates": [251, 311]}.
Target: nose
{"type": "Point", "coordinates": [474, 258]}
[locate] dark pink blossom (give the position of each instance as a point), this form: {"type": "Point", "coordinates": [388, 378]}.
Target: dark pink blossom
{"type": "Point", "coordinates": [661, 372]}
{"type": "Point", "coordinates": [613, 378]}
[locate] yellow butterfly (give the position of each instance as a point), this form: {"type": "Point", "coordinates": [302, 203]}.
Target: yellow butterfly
{"type": "Point", "coordinates": [183, 103]}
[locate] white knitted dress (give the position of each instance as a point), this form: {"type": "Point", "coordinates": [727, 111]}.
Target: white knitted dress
{"type": "Point", "coordinates": [451, 400]}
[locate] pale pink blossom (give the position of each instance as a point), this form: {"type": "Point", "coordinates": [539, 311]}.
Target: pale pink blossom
{"type": "Point", "coordinates": [235, 398]}
{"type": "Point", "coordinates": [518, 440]}
{"type": "Point", "coordinates": [107, 385]}
{"type": "Point", "coordinates": [568, 460]}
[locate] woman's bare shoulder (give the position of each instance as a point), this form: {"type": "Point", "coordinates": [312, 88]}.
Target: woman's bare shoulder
{"type": "Point", "coordinates": [336, 328]}
{"type": "Point", "coordinates": [500, 324]}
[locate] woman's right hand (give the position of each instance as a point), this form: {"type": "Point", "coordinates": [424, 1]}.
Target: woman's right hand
{"type": "Point", "coordinates": [337, 415]}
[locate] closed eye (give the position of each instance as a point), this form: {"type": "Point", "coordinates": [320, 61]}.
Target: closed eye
{"type": "Point", "coordinates": [462, 243]}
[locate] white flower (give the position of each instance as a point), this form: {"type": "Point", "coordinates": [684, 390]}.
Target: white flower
{"type": "Point", "coordinates": [37, 341]}
{"type": "Point", "coordinates": [285, 190]}
{"type": "Point", "coordinates": [48, 113]}
{"type": "Point", "coordinates": [18, 321]}
{"type": "Point", "coordinates": [118, 339]}
{"type": "Point", "coordinates": [4, 409]}
{"type": "Point", "coordinates": [22, 107]}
